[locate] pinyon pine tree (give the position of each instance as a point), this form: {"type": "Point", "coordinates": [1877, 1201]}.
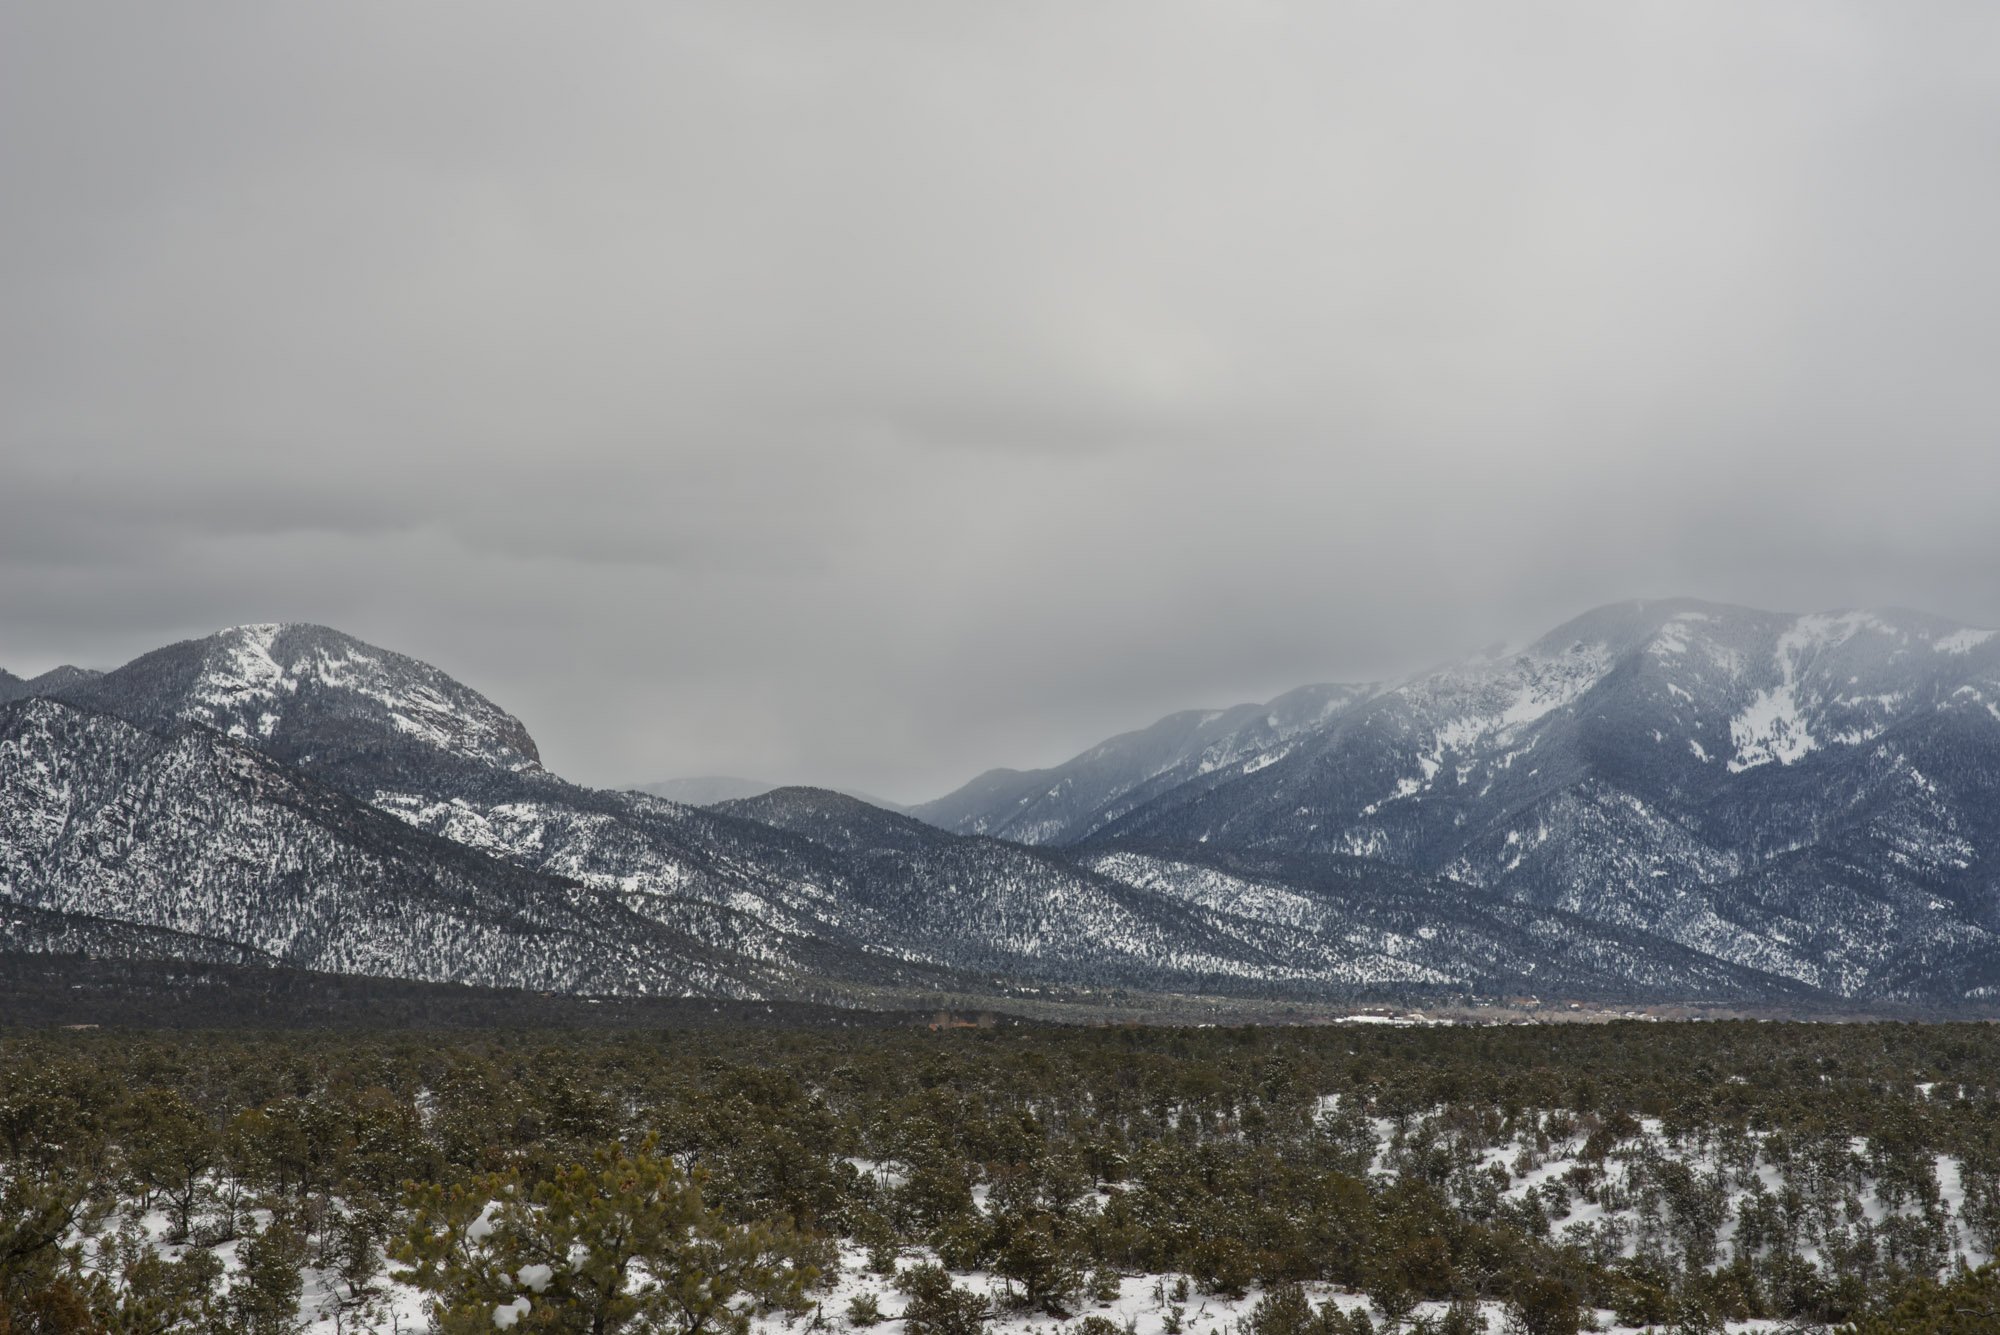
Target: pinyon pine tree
{"type": "Point", "coordinates": [623, 1243]}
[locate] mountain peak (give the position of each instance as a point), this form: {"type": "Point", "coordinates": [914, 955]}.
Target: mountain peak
{"type": "Point", "coordinates": [305, 689]}
{"type": "Point", "coordinates": [705, 790]}
{"type": "Point", "coordinates": [1624, 626]}
{"type": "Point", "coordinates": [53, 682]}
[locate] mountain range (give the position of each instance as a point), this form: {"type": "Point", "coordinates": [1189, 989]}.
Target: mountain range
{"type": "Point", "coordinates": [1656, 801]}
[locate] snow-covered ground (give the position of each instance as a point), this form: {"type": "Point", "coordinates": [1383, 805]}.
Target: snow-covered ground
{"type": "Point", "coordinates": [1642, 1189]}
{"type": "Point", "coordinates": [1145, 1305]}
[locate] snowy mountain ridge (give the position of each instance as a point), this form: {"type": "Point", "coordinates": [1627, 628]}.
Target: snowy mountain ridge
{"type": "Point", "coordinates": [1668, 801]}
{"type": "Point", "coordinates": [1053, 805]}
{"type": "Point", "coordinates": [1753, 785]}
{"type": "Point", "coordinates": [1758, 688]}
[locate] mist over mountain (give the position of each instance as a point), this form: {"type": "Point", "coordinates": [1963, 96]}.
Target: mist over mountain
{"type": "Point", "coordinates": [706, 789]}
{"type": "Point", "coordinates": [710, 790]}
{"type": "Point", "coordinates": [1662, 801]}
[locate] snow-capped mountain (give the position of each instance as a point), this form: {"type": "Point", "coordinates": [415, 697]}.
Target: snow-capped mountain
{"type": "Point", "coordinates": [411, 743]}
{"type": "Point", "coordinates": [1810, 796]}
{"type": "Point", "coordinates": [1201, 921]}
{"type": "Point", "coordinates": [305, 693]}
{"type": "Point", "coordinates": [1655, 801]}
{"type": "Point", "coordinates": [211, 850]}
{"type": "Point", "coordinates": [1074, 800]}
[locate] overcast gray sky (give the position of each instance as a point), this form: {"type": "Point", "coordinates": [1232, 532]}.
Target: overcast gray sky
{"type": "Point", "coordinates": [872, 393]}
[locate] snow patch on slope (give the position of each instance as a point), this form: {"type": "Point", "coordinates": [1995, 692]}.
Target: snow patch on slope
{"type": "Point", "coordinates": [1962, 641]}
{"type": "Point", "coordinates": [1773, 727]}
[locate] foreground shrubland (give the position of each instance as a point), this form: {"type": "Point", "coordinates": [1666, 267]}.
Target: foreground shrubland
{"type": "Point", "coordinates": [1089, 1182]}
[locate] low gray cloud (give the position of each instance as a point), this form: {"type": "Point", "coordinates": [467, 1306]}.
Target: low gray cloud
{"type": "Point", "coordinates": [867, 394]}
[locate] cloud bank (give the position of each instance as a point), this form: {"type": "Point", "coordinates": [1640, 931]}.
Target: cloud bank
{"type": "Point", "coordinates": [868, 394]}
